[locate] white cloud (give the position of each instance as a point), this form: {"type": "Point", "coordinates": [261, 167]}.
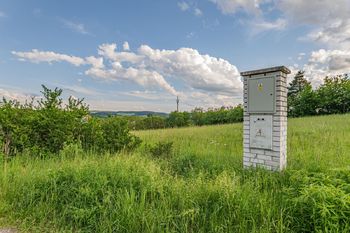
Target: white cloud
{"type": "Point", "coordinates": [183, 6]}
{"type": "Point", "coordinates": [96, 62]}
{"type": "Point", "coordinates": [322, 63]}
{"type": "Point", "coordinates": [126, 46]}
{"type": "Point", "coordinates": [37, 56]}
{"type": "Point", "coordinates": [198, 12]}
{"type": "Point", "coordinates": [335, 34]}
{"type": "Point", "coordinates": [315, 12]}
{"type": "Point", "coordinates": [233, 6]}
{"type": "Point", "coordinates": [109, 51]}
{"type": "Point", "coordinates": [156, 69]}
{"type": "Point", "coordinates": [261, 25]}
{"type": "Point", "coordinates": [330, 20]}
{"type": "Point", "coordinates": [196, 70]}
{"type": "Point", "coordinates": [15, 94]}
{"type": "Point", "coordinates": [77, 89]}
{"type": "Point", "coordinates": [74, 26]}
{"type": "Point", "coordinates": [330, 27]}
{"type": "Point", "coordinates": [2, 14]}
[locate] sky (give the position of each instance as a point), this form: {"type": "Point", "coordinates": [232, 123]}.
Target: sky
{"type": "Point", "coordinates": [141, 54]}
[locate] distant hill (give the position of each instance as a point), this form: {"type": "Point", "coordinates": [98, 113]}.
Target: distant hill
{"type": "Point", "coordinates": [127, 113]}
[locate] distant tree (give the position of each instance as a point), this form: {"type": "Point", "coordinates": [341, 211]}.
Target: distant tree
{"type": "Point", "coordinates": [197, 116]}
{"type": "Point", "coordinates": [304, 103]}
{"type": "Point", "coordinates": [178, 119]}
{"type": "Point", "coordinates": [298, 84]}
{"type": "Point", "coordinates": [334, 95]}
{"type": "Point", "coordinates": [299, 90]}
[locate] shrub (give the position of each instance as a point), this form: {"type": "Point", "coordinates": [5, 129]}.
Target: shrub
{"type": "Point", "coordinates": [162, 149]}
{"type": "Point", "coordinates": [45, 128]}
{"type": "Point", "coordinates": [109, 134]}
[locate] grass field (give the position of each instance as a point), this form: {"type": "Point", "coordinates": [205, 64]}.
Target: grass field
{"type": "Point", "coordinates": [200, 187]}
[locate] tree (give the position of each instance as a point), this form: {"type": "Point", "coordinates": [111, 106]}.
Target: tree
{"type": "Point", "coordinates": [304, 103]}
{"type": "Point", "coordinates": [334, 95]}
{"type": "Point", "coordinates": [299, 90]}
{"type": "Point", "coordinates": [298, 84]}
{"type": "Point", "coordinates": [197, 116]}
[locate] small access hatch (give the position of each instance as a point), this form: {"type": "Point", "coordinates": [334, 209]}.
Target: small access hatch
{"type": "Point", "coordinates": [261, 95]}
{"type": "Point", "coordinates": [261, 131]}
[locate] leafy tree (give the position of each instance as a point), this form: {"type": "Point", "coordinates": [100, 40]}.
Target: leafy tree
{"type": "Point", "coordinates": [334, 95]}
{"type": "Point", "coordinates": [298, 84]}
{"type": "Point", "coordinates": [197, 116]}
{"type": "Point", "coordinates": [12, 127]}
{"type": "Point", "coordinates": [178, 119]}
{"type": "Point", "coordinates": [301, 97]}
{"type": "Point", "coordinates": [304, 103]}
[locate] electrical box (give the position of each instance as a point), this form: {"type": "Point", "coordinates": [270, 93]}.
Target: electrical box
{"type": "Point", "coordinates": [261, 131]}
{"type": "Point", "coordinates": [261, 95]}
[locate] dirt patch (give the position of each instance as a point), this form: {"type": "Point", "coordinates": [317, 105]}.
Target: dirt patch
{"type": "Point", "coordinates": [8, 230]}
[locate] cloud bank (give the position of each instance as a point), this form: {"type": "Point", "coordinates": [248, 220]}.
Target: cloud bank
{"type": "Point", "coordinates": [181, 72]}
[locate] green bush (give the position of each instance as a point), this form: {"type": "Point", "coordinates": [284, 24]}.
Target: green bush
{"type": "Point", "coordinates": [46, 128]}
{"type": "Point", "coordinates": [161, 149]}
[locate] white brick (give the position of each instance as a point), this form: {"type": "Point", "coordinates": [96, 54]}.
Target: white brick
{"type": "Point", "coordinates": [247, 164]}
{"type": "Point", "coordinates": [260, 161]}
{"type": "Point", "coordinates": [272, 163]}
{"type": "Point", "coordinates": [257, 151]}
{"type": "Point", "coordinates": [246, 159]}
{"type": "Point", "coordinates": [272, 153]}
{"type": "Point", "coordinates": [264, 157]}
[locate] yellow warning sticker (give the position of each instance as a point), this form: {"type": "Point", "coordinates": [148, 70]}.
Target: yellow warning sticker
{"type": "Point", "coordinates": [260, 86]}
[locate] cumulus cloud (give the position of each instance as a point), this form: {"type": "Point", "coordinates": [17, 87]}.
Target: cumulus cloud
{"type": "Point", "coordinates": [196, 70]}
{"type": "Point", "coordinates": [322, 63]}
{"type": "Point", "coordinates": [109, 51]}
{"type": "Point", "coordinates": [126, 46]}
{"type": "Point", "coordinates": [37, 56]}
{"type": "Point", "coordinates": [155, 69]}
{"type": "Point", "coordinates": [96, 62]}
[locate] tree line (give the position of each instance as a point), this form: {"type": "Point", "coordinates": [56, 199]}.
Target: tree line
{"type": "Point", "coordinates": [196, 117]}
{"type": "Point", "coordinates": [331, 97]}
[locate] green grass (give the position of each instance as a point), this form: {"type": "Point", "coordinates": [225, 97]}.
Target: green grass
{"type": "Point", "coordinates": [200, 188]}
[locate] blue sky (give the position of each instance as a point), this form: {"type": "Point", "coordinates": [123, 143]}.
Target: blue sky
{"type": "Point", "coordinates": [139, 55]}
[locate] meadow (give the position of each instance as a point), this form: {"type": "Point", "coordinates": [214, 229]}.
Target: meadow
{"type": "Point", "coordinates": [198, 186]}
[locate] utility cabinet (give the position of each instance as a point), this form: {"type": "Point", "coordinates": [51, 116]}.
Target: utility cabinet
{"type": "Point", "coordinates": [261, 95]}
{"type": "Point", "coordinates": [265, 118]}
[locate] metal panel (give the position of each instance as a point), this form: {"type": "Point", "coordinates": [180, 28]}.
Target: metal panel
{"type": "Point", "coordinates": [261, 131]}
{"type": "Point", "coordinates": [261, 95]}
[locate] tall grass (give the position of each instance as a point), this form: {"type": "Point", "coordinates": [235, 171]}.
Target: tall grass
{"type": "Point", "coordinates": [200, 188]}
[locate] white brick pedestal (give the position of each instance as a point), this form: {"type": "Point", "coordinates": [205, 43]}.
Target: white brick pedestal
{"type": "Point", "coordinates": [274, 158]}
